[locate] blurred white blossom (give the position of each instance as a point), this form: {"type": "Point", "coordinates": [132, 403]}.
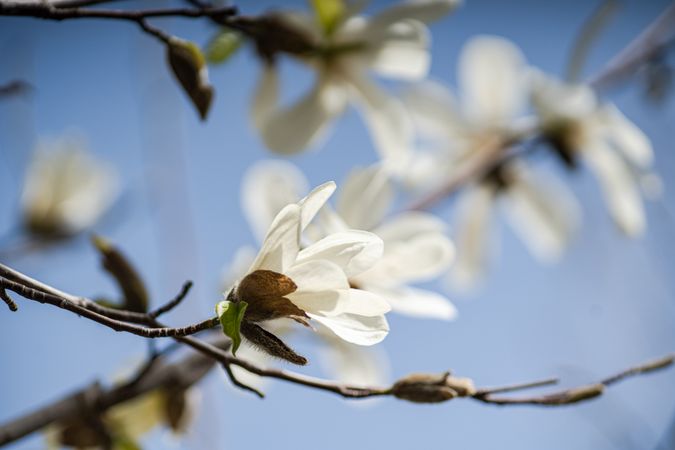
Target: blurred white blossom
{"type": "Point", "coordinates": [321, 271]}
{"type": "Point", "coordinates": [581, 127]}
{"type": "Point", "coordinates": [66, 189]}
{"type": "Point", "coordinates": [494, 82]}
{"type": "Point", "coordinates": [393, 44]}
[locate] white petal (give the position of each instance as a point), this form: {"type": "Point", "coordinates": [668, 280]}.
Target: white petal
{"type": "Point", "coordinates": [365, 197]}
{"type": "Point", "coordinates": [354, 365]}
{"type": "Point", "coordinates": [434, 110]}
{"type": "Point", "coordinates": [628, 138]}
{"type": "Point", "coordinates": [341, 301]}
{"type": "Point", "coordinates": [416, 302]}
{"type": "Point", "coordinates": [619, 187]}
{"type": "Point", "coordinates": [314, 201]}
{"type": "Point", "coordinates": [492, 79]}
{"type": "Point", "coordinates": [542, 211]}
{"type": "Point", "coordinates": [266, 96]}
{"type": "Point", "coordinates": [419, 258]}
{"type": "Point", "coordinates": [387, 120]}
{"type": "Point", "coordinates": [358, 330]}
{"type": "Point", "coordinates": [403, 53]}
{"type": "Point", "coordinates": [317, 275]}
{"type": "Point", "coordinates": [257, 357]}
{"type": "Point", "coordinates": [354, 251]}
{"type": "Point", "coordinates": [282, 242]}
{"type": "Point", "coordinates": [267, 187]}
{"type": "Point", "coordinates": [473, 239]}
{"type": "Point", "coordinates": [292, 129]}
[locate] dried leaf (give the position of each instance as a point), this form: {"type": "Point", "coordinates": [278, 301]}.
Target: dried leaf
{"type": "Point", "coordinates": [127, 278]}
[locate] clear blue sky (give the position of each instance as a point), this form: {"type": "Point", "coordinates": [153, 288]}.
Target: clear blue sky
{"type": "Point", "coordinates": [607, 304]}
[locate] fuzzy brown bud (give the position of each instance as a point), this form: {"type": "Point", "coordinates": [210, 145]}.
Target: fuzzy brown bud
{"type": "Point", "coordinates": [432, 388]}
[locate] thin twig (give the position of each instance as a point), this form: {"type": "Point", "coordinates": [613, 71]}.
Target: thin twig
{"type": "Point", "coordinates": [516, 387]}
{"type": "Point", "coordinates": [588, 34]}
{"type": "Point", "coordinates": [7, 299]}
{"type": "Point", "coordinates": [117, 325]}
{"type": "Point", "coordinates": [173, 303]}
{"type": "Point", "coordinates": [645, 46]}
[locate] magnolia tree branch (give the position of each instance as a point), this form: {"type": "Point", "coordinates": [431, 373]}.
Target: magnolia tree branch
{"type": "Point", "coordinates": [420, 388]}
{"type": "Point", "coordinates": [75, 10]}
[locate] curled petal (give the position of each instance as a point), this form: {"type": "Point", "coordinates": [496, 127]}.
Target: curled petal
{"type": "Point", "coordinates": [314, 201]}
{"type": "Point", "coordinates": [356, 329]}
{"type": "Point", "coordinates": [317, 275]}
{"type": "Point", "coordinates": [425, 11]}
{"type": "Point", "coordinates": [354, 251]}
{"type": "Point", "coordinates": [282, 243]}
{"type": "Point", "coordinates": [492, 78]}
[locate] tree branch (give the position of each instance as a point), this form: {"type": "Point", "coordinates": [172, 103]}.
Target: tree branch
{"type": "Point", "coordinates": [49, 11]}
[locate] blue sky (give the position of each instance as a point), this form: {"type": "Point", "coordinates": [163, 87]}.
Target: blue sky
{"type": "Point", "coordinates": [609, 302]}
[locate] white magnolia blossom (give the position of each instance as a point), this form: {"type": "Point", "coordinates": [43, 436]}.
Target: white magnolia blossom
{"type": "Point", "coordinates": [416, 248]}
{"type": "Point", "coordinates": [321, 271]}
{"type": "Point", "coordinates": [393, 44]}
{"type": "Point", "coordinates": [613, 147]}
{"type": "Point", "coordinates": [66, 190]}
{"type": "Point", "coordinates": [493, 80]}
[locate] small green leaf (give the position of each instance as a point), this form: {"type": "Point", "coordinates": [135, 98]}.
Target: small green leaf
{"type": "Point", "coordinates": [189, 67]}
{"type": "Point", "coordinates": [329, 13]}
{"type": "Point", "coordinates": [222, 46]}
{"type": "Point", "coordinates": [231, 315]}
{"type": "Point", "coordinates": [129, 281]}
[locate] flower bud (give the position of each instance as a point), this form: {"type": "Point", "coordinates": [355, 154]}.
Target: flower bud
{"type": "Point", "coordinates": [430, 388]}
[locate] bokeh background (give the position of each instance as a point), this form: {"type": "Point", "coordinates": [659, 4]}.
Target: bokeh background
{"type": "Point", "coordinates": [609, 303]}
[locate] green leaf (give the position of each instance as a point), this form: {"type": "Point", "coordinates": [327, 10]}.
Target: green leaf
{"type": "Point", "coordinates": [329, 13]}
{"type": "Point", "coordinates": [231, 315]}
{"type": "Point", "coordinates": [222, 46]}
{"type": "Point", "coordinates": [189, 67]}
{"type": "Point", "coordinates": [129, 281]}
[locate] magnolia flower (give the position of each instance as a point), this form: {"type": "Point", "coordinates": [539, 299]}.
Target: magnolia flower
{"type": "Point", "coordinates": [493, 78]}
{"type": "Point", "coordinates": [393, 44]}
{"type": "Point", "coordinates": [349, 363]}
{"type": "Point", "coordinates": [285, 281]}
{"type": "Point", "coordinates": [415, 246]}
{"type": "Point", "coordinates": [617, 151]}
{"type": "Point", "coordinates": [66, 189]}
